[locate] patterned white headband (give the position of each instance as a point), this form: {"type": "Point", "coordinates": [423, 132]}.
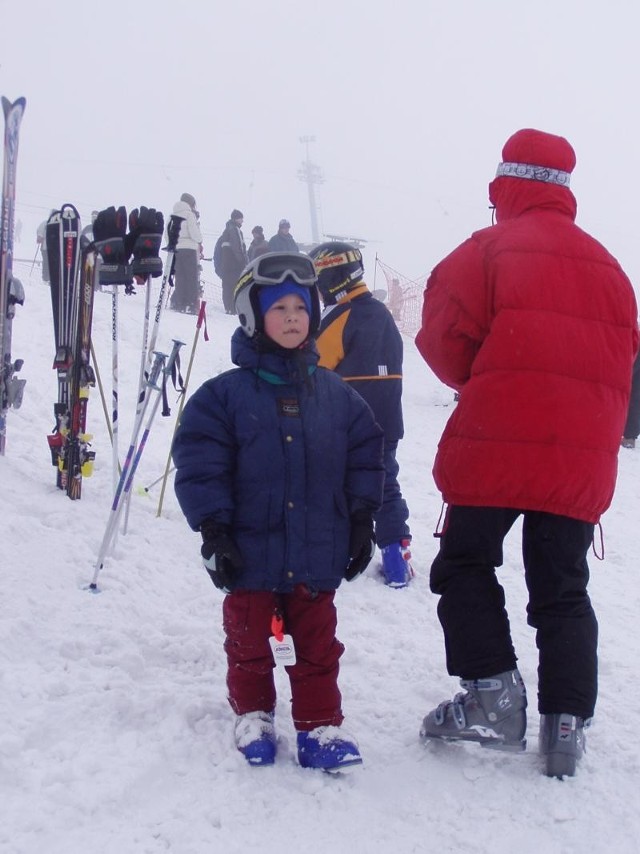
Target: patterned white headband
{"type": "Point", "coordinates": [534, 173]}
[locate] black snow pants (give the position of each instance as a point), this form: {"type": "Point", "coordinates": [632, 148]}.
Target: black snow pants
{"type": "Point", "coordinates": [472, 603]}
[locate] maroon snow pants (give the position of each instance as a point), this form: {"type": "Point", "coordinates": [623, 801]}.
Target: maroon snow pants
{"type": "Point", "coordinates": [310, 618]}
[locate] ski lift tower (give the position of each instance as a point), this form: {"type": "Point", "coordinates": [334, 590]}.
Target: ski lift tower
{"type": "Point", "coordinates": [311, 175]}
{"type": "Point", "coordinates": [358, 242]}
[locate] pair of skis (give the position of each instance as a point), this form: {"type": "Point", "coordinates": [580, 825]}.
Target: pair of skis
{"type": "Point", "coordinates": [72, 282]}
{"type": "Point", "coordinates": [11, 290]}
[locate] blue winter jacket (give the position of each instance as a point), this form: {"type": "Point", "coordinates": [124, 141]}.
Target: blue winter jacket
{"type": "Point", "coordinates": [360, 341]}
{"type": "Point", "coordinates": [284, 453]}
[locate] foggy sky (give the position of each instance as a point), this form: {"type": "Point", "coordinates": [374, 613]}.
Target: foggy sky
{"type": "Point", "coordinates": [409, 103]}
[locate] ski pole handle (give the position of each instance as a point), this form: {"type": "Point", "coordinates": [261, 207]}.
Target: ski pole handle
{"type": "Point", "coordinates": [157, 366]}
{"type": "Point", "coordinates": [173, 355]}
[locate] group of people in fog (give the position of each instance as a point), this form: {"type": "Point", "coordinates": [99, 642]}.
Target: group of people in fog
{"type": "Point", "coordinates": [286, 464]}
{"type": "Point", "coordinates": [230, 254]}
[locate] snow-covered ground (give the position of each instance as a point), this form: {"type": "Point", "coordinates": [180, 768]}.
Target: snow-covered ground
{"type": "Point", "coordinates": [115, 732]}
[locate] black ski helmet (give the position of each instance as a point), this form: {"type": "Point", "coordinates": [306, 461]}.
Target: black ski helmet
{"type": "Point", "coordinates": [274, 268]}
{"type": "Point", "coordinates": [339, 268]}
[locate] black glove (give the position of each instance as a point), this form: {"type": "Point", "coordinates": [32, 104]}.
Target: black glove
{"type": "Point", "coordinates": [220, 554]}
{"type": "Point", "coordinates": [362, 544]}
{"type": "Point", "coordinates": [109, 230]}
{"type": "Point", "coordinates": [145, 236]}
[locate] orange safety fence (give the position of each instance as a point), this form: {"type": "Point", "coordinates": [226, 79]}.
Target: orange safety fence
{"type": "Point", "coordinates": [404, 298]}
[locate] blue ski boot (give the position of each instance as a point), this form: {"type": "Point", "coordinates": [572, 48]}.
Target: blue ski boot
{"type": "Point", "coordinates": [562, 743]}
{"type": "Point", "coordinates": [396, 568]}
{"type": "Point", "coordinates": [256, 737]}
{"type": "Point", "coordinates": [491, 713]}
{"type": "Point", "coordinates": [327, 748]}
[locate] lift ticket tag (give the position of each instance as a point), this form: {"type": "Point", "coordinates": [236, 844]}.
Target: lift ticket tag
{"type": "Point", "coordinates": [282, 647]}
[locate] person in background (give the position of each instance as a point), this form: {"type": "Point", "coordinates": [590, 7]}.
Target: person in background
{"type": "Point", "coordinates": [186, 293]}
{"type": "Point", "coordinates": [632, 425]}
{"type": "Point", "coordinates": [259, 245]}
{"type": "Point", "coordinates": [86, 235]}
{"type": "Point", "coordinates": [279, 467]}
{"type": "Point", "coordinates": [230, 258]}
{"type": "Point", "coordinates": [282, 240]}
{"type": "Point", "coordinates": [360, 341]}
{"type": "Point", "coordinates": [534, 323]}
{"type": "Point", "coordinates": [41, 240]}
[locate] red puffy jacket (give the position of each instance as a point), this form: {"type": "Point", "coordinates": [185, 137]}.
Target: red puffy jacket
{"type": "Point", "coordinates": [535, 323]}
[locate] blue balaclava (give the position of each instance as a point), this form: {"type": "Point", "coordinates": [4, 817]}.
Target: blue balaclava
{"type": "Point", "coordinates": [269, 294]}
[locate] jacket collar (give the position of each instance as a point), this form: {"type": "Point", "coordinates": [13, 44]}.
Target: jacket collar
{"type": "Point", "coordinates": [352, 293]}
{"type": "Point", "coordinates": [515, 196]}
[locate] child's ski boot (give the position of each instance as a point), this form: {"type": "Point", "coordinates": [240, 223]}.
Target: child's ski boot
{"type": "Point", "coordinates": [327, 748]}
{"type": "Point", "coordinates": [256, 737]}
{"type": "Point", "coordinates": [491, 712]}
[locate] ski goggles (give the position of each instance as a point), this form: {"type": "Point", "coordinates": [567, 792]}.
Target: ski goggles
{"type": "Point", "coordinates": [274, 268]}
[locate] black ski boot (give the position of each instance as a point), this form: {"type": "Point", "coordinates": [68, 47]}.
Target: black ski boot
{"type": "Point", "coordinates": [562, 743]}
{"type": "Point", "coordinates": [491, 713]}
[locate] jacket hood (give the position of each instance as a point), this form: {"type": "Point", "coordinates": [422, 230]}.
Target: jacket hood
{"type": "Point", "coordinates": [534, 173]}
{"type": "Point", "coordinates": [181, 208]}
{"type": "Point", "coordinates": [514, 196]}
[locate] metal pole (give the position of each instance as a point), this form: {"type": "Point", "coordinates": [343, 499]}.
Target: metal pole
{"type": "Point", "coordinates": [199, 322]}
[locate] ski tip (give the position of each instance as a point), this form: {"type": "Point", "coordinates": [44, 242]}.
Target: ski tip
{"type": "Point", "coordinates": [7, 106]}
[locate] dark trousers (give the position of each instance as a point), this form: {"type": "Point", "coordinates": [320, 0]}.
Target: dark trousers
{"type": "Point", "coordinates": [391, 518]}
{"type": "Point", "coordinates": [472, 603]}
{"type": "Point", "coordinates": [228, 286]}
{"type": "Point", "coordinates": [310, 618]}
{"type": "Point", "coordinates": [632, 426]}
{"type": "Point", "coordinates": [186, 293]}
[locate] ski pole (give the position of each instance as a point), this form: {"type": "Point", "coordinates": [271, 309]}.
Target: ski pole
{"type": "Point", "coordinates": [144, 364]}
{"type": "Point", "coordinates": [173, 232]}
{"type": "Point", "coordinates": [154, 409]}
{"type": "Point", "coordinates": [201, 319]}
{"type": "Point", "coordinates": [101, 390]}
{"type": "Point", "coordinates": [116, 469]}
{"type": "Point", "coordinates": [112, 523]}
{"type": "Point", "coordinates": [161, 364]}
{"type": "Point", "coordinates": [33, 263]}
{"type": "Point", "coordinates": [150, 486]}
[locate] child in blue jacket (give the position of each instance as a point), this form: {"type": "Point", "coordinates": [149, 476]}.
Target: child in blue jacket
{"type": "Point", "coordinates": [359, 340]}
{"type": "Point", "coordinates": [279, 466]}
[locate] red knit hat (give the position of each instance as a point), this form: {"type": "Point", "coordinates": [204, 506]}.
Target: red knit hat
{"type": "Point", "coordinates": [537, 156]}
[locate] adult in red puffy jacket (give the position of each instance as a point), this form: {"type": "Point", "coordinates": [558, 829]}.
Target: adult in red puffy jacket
{"type": "Point", "coordinates": [534, 323]}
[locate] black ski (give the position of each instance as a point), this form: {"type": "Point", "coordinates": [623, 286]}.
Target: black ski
{"type": "Point", "coordinates": [11, 290]}
{"type": "Point", "coordinates": [79, 457]}
{"type": "Point", "coordinates": [63, 245]}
